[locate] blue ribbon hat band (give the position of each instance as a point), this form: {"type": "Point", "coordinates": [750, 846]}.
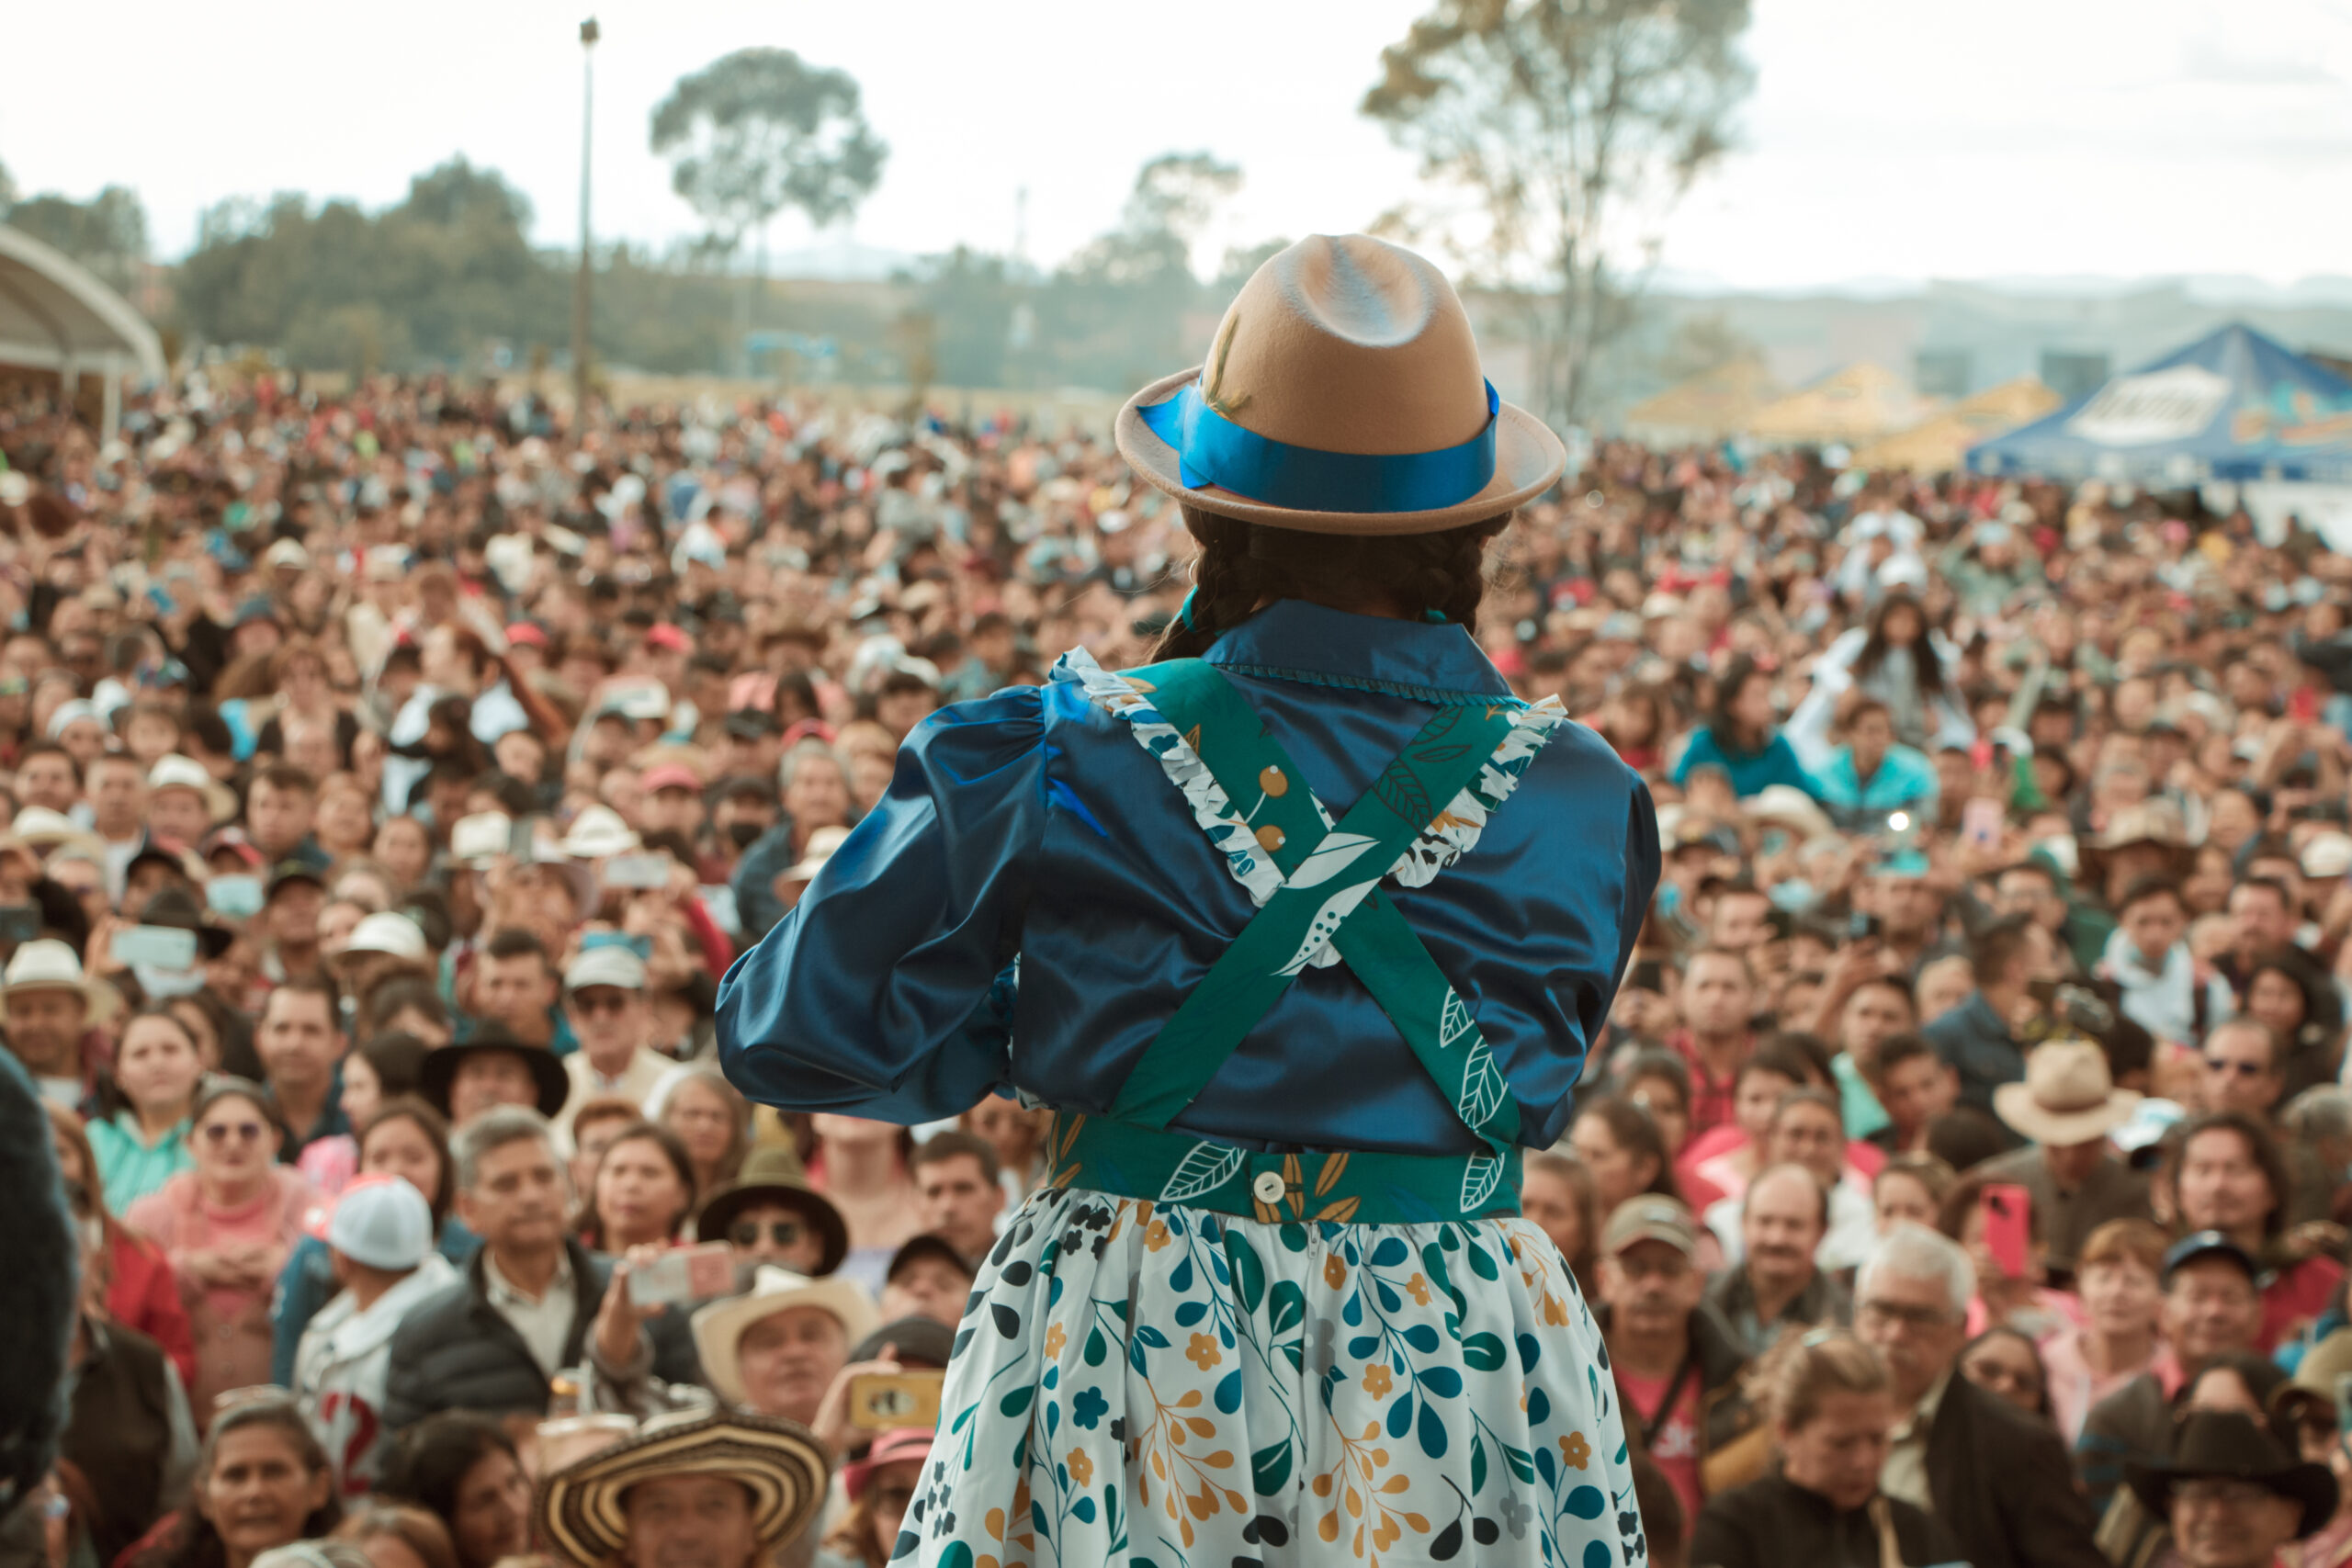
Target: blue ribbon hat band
{"type": "Point", "coordinates": [1213, 450]}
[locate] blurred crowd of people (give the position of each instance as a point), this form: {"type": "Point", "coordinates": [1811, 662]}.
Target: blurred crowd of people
{"type": "Point", "coordinates": [390, 777]}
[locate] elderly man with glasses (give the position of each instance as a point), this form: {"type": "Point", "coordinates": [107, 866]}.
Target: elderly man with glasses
{"type": "Point", "coordinates": [1996, 1478]}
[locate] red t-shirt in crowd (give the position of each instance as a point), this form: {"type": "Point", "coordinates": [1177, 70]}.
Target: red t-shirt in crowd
{"type": "Point", "coordinates": [1710, 1096]}
{"type": "Point", "coordinates": [1674, 1443]}
{"type": "Point", "coordinates": [2294, 1296]}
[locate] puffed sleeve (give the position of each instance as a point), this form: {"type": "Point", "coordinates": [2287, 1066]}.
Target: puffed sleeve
{"type": "Point", "coordinates": [873, 997]}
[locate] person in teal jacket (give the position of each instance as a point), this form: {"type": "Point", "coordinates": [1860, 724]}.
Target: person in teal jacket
{"type": "Point", "coordinates": [1872, 776]}
{"type": "Point", "coordinates": [1741, 738]}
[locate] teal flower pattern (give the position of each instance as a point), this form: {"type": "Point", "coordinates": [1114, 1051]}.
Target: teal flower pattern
{"type": "Point", "coordinates": [1223, 1391]}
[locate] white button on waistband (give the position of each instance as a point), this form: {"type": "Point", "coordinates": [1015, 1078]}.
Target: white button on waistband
{"type": "Point", "coordinates": [1268, 1188]}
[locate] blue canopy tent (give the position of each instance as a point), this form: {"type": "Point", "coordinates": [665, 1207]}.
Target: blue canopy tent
{"type": "Point", "coordinates": [2234, 406]}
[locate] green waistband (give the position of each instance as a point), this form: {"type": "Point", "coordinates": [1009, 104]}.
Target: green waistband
{"type": "Point", "coordinates": [1348, 1186]}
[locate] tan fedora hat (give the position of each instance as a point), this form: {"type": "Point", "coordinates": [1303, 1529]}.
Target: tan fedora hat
{"type": "Point", "coordinates": [1342, 395]}
{"type": "Point", "coordinates": [2068, 1096]}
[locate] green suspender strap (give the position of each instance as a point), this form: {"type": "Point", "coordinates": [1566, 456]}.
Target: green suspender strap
{"type": "Point", "coordinates": [1329, 893]}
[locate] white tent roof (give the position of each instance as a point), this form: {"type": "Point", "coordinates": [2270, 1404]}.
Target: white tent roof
{"type": "Point", "coordinates": [52, 312]}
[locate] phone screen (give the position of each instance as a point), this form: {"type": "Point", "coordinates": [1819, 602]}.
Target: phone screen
{"type": "Point", "coordinates": [2007, 1227]}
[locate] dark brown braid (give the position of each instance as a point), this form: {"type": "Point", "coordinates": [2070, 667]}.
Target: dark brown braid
{"type": "Point", "coordinates": [1245, 565]}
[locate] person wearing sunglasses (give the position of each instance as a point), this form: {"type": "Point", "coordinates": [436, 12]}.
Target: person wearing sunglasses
{"type": "Point", "coordinates": [2243, 1071]}
{"type": "Point", "coordinates": [773, 1216]}
{"type": "Point", "coordinates": [604, 996]}
{"type": "Point", "coordinates": [226, 1227]}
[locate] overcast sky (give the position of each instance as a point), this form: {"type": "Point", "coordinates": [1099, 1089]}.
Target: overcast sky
{"type": "Point", "coordinates": [1922, 139]}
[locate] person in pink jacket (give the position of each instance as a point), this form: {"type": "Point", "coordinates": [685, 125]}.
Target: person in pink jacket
{"type": "Point", "coordinates": [226, 1227]}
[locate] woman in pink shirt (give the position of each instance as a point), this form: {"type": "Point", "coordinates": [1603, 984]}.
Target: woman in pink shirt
{"type": "Point", "coordinates": [226, 1227]}
{"type": "Point", "coordinates": [2116, 1277]}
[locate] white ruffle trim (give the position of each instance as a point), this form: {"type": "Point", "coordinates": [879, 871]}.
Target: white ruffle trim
{"type": "Point", "coordinates": [1452, 835]}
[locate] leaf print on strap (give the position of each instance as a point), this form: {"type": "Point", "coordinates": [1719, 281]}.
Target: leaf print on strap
{"type": "Point", "coordinates": [1483, 1088]}
{"type": "Point", "coordinates": [1479, 1177]}
{"type": "Point", "coordinates": [1318, 940]}
{"type": "Point", "coordinates": [1206, 1168]}
{"type": "Point", "coordinates": [1453, 832]}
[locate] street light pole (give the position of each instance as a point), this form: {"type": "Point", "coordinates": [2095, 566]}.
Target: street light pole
{"type": "Point", "coordinates": [588, 35]}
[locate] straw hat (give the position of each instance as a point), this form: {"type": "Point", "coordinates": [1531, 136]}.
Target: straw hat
{"type": "Point", "coordinates": [1342, 395]}
{"type": "Point", "coordinates": [48, 965]}
{"type": "Point", "coordinates": [2068, 1096]}
{"type": "Point", "coordinates": [720, 1327]}
{"type": "Point", "coordinates": [584, 1507]}
{"type": "Point", "coordinates": [176, 771]}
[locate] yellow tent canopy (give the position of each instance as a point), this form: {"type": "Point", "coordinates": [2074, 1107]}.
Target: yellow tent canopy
{"type": "Point", "coordinates": [1859, 403]}
{"type": "Point", "coordinates": [1940, 443]}
{"type": "Point", "coordinates": [1709, 406]}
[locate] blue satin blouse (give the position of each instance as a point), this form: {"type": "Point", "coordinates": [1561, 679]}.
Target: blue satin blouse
{"type": "Point", "coordinates": [1031, 823]}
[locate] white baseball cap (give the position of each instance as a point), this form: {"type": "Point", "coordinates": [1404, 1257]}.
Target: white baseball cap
{"type": "Point", "coordinates": [609, 965]}
{"type": "Point", "coordinates": [379, 1222]}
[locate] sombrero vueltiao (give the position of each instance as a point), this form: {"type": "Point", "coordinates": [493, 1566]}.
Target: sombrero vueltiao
{"type": "Point", "coordinates": [584, 1507]}
{"type": "Point", "coordinates": [1342, 395]}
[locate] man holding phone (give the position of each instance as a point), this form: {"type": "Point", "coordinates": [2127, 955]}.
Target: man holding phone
{"type": "Point", "coordinates": [2065, 1110]}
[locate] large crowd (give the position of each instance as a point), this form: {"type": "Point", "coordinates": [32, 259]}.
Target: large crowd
{"type": "Point", "coordinates": [389, 778]}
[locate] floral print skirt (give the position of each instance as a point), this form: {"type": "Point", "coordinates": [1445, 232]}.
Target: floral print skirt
{"type": "Point", "coordinates": [1138, 1385]}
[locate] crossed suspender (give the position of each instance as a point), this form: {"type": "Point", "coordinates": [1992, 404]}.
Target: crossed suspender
{"type": "Point", "coordinates": [1331, 892]}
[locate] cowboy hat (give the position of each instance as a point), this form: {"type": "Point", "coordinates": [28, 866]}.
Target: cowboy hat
{"type": "Point", "coordinates": [176, 771]}
{"type": "Point", "coordinates": [1342, 395]}
{"type": "Point", "coordinates": [48, 832]}
{"type": "Point", "coordinates": [598, 833]}
{"type": "Point", "coordinates": [2068, 1096]}
{"type": "Point", "coordinates": [2312, 1391]}
{"type": "Point", "coordinates": [2151, 823]}
{"type": "Point", "coordinates": [584, 1507]}
{"type": "Point", "coordinates": [823, 844]}
{"type": "Point", "coordinates": [773, 1176]}
{"type": "Point", "coordinates": [2227, 1445]}
{"type": "Point", "coordinates": [45, 963]}
{"type": "Point", "coordinates": [1789, 807]}
{"type": "Point", "coordinates": [720, 1327]}
{"type": "Point", "coordinates": [441, 1064]}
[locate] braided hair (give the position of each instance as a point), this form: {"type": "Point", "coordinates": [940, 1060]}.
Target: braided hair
{"type": "Point", "coordinates": [1244, 565]}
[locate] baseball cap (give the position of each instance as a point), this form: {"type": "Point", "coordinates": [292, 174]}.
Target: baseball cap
{"type": "Point", "coordinates": [523, 634]}
{"type": "Point", "coordinates": [606, 965]}
{"type": "Point", "coordinates": [927, 1244]}
{"type": "Point", "coordinates": [287, 873]}
{"type": "Point", "coordinates": [378, 1221]}
{"type": "Point", "coordinates": [2206, 1244]}
{"type": "Point", "coordinates": [1647, 1216]}
{"type": "Point", "coordinates": [665, 636]}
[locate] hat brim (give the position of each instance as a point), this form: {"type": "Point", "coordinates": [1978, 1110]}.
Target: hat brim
{"type": "Point", "coordinates": [102, 999]}
{"type": "Point", "coordinates": [2308, 1485]}
{"type": "Point", "coordinates": [1528, 461]}
{"type": "Point", "coordinates": [719, 1326]}
{"type": "Point", "coordinates": [719, 1213]}
{"type": "Point", "coordinates": [2014, 1105]}
{"type": "Point", "coordinates": [440, 1070]}
{"type": "Point", "coordinates": [584, 1507]}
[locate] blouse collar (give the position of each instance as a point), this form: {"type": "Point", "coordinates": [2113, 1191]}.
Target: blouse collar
{"type": "Point", "coordinates": [1293, 640]}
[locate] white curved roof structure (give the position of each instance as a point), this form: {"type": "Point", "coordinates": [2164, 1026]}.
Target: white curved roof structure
{"type": "Point", "coordinates": [54, 314]}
